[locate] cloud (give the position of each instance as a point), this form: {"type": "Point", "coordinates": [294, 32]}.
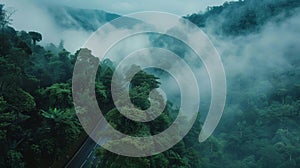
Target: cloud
{"type": "Point", "coordinates": [125, 7]}
{"type": "Point", "coordinates": [260, 58]}
{"type": "Point", "coordinates": [33, 15]}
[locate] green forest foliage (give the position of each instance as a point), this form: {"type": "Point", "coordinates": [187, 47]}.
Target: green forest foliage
{"type": "Point", "coordinates": [37, 119]}
{"type": "Point", "coordinates": [178, 156]}
{"type": "Point", "coordinates": [259, 128]}
{"type": "Point", "coordinates": [38, 122]}
{"type": "Point", "coordinates": [244, 16]}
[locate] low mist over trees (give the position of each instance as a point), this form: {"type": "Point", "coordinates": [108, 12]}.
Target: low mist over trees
{"type": "Point", "coordinates": [244, 16]}
{"type": "Point", "coordinates": [260, 126]}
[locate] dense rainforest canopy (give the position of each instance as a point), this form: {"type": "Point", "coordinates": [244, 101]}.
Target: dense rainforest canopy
{"type": "Point", "coordinates": [259, 128]}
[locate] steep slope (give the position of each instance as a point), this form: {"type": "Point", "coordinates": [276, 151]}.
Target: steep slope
{"type": "Point", "coordinates": [244, 16]}
{"type": "Point", "coordinates": [84, 19]}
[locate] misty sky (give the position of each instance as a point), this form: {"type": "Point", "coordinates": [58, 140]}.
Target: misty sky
{"type": "Point", "coordinates": [179, 7]}
{"type": "Point", "coordinates": [31, 15]}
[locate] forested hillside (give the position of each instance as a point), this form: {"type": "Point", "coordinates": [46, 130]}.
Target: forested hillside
{"type": "Point", "coordinates": [38, 122]}
{"type": "Point", "coordinates": [244, 16]}
{"type": "Point", "coordinates": [258, 41]}
{"type": "Point", "coordinates": [79, 19]}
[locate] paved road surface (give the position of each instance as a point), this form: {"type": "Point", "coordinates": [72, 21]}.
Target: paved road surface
{"type": "Point", "coordinates": [85, 156]}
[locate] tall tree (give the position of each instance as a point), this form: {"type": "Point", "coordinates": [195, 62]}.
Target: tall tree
{"type": "Point", "coordinates": [35, 36]}
{"type": "Point", "coordinates": [5, 16]}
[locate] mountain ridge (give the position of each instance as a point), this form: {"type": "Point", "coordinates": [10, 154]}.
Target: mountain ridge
{"type": "Point", "coordinates": [76, 18]}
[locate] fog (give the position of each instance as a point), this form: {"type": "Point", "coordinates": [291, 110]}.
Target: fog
{"type": "Point", "coordinates": [129, 6]}
{"type": "Point", "coordinates": [34, 16]}
{"type": "Point", "coordinates": [261, 54]}
{"type": "Point", "coordinates": [256, 55]}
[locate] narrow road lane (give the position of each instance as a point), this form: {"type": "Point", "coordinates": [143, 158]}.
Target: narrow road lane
{"type": "Point", "coordinates": [83, 156]}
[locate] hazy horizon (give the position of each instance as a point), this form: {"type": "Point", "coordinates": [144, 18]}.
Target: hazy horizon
{"type": "Point", "coordinates": [126, 7]}
{"type": "Point", "coordinates": [44, 23]}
